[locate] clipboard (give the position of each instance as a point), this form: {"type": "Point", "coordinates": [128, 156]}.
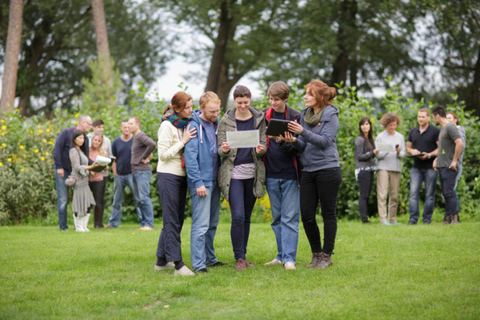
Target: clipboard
{"type": "Point", "coordinates": [277, 127]}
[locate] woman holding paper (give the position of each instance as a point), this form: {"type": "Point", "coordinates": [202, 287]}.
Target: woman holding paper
{"type": "Point", "coordinates": [321, 176]}
{"type": "Point", "coordinates": [96, 181]}
{"type": "Point", "coordinates": [365, 166]}
{"type": "Point", "coordinates": [83, 201]}
{"type": "Point", "coordinates": [242, 174]}
{"type": "Point", "coordinates": [391, 146]}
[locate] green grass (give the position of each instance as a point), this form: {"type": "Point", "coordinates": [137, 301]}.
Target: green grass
{"type": "Point", "coordinates": [404, 272]}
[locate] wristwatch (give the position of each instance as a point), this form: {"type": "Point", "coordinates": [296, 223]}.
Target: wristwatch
{"type": "Point", "coordinates": [429, 155]}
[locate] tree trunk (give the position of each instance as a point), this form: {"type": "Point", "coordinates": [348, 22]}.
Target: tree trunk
{"type": "Point", "coordinates": [9, 81]}
{"type": "Point", "coordinates": [346, 42]}
{"type": "Point", "coordinates": [473, 93]}
{"type": "Point", "coordinates": [101, 37]}
{"type": "Point", "coordinates": [220, 49]}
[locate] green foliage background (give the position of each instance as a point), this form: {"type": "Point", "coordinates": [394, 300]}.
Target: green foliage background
{"type": "Point", "coordinates": [27, 182]}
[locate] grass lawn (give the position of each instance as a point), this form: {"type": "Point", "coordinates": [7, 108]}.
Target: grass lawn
{"type": "Point", "coordinates": [402, 272]}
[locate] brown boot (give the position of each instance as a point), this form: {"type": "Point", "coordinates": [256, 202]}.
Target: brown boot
{"type": "Point", "coordinates": [241, 265]}
{"type": "Point", "coordinates": [454, 219]}
{"type": "Point", "coordinates": [447, 220]}
{"type": "Point", "coordinates": [325, 262]}
{"type": "Point", "coordinates": [315, 259]}
{"type": "Point", "coordinates": [98, 217]}
{"type": "Point", "coordinates": [249, 264]}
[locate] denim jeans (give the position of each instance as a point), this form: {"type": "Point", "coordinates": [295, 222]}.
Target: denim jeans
{"type": "Point", "coordinates": [447, 181]}
{"type": "Point", "coordinates": [205, 214]}
{"type": "Point", "coordinates": [417, 176]}
{"type": "Point", "coordinates": [285, 205]}
{"type": "Point", "coordinates": [242, 201]}
{"type": "Point", "coordinates": [119, 184]}
{"type": "Point", "coordinates": [62, 199]}
{"type": "Point", "coordinates": [141, 187]}
{"type": "Point", "coordinates": [320, 185]}
{"type": "Point", "coordinates": [457, 179]}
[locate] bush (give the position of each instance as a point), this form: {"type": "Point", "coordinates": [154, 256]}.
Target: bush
{"type": "Point", "coordinates": [27, 182]}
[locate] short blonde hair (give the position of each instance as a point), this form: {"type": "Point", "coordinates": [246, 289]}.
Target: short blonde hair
{"type": "Point", "coordinates": [207, 97]}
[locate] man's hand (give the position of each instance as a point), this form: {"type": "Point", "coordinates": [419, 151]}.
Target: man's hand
{"type": "Point", "coordinates": [146, 161]}
{"type": "Point", "coordinates": [434, 165]}
{"type": "Point", "coordinates": [259, 148]}
{"type": "Point", "coordinates": [453, 165]}
{"type": "Point", "coordinates": [202, 191]}
{"type": "Point", "coordinates": [61, 173]}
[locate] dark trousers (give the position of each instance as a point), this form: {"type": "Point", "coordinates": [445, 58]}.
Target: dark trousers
{"type": "Point", "coordinates": [365, 183]}
{"type": "Point", "coordinates": [242, 201]}
{"type": "Point", "coordinates": [320, 185]}
{"type": "Point", "coordinates": [447, 182]}
{"type": "Point", "coordinates": [98, 189]}
{"type": "Point", "coordinates": [173, 191]}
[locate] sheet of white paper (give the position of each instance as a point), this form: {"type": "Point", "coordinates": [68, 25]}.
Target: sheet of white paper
{"type": "Point", "coordinates": [243, 139]}
{"type": "Point", "coordinates": [385, 147]}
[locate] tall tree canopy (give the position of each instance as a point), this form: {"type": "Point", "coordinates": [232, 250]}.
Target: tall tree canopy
{"type": "Point", "coordinates": [58, 40]}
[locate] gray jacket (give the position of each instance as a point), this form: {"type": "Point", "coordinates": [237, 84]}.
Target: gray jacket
{"type": "Point", "coordinates": [228, 123]}
{"type": "Point", "coordinates": [364, 157]}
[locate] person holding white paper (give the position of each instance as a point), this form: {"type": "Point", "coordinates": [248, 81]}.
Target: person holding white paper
{"type": "Point", "coordinates": [389, 168]}
{"type": "Point", "coordinates": [96, 180]}
{"type": "Point", "coordinates": [242, 174]}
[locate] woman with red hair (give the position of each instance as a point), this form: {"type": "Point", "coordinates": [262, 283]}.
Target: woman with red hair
{"type": "Point", "coordinates": [316, 137]}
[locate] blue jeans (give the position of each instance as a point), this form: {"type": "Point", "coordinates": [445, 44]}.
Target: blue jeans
{"type": "Point", "coordinates": [119, 184]}
{"type": "Point", "coordinates": [447, 181]}
{"type": "Point", "coordinates": [205, 214]}
{"type": "Point", "coordinates": [141, 190]}
{"type": "Point", "coordinates": [457, 179]}
{"type": "Point", "coordinates": [62, 199]}
{"type": "Point", "coordinates": [285, 204]}
{"type": "Point", "coordinates": [417, 176]}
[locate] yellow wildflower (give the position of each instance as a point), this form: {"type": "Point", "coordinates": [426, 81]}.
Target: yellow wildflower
{"type": "Point", "coordinates": [22, 170]}
{"type": "Point", "coordinates": [4, 127]}
{"type": "Point", "coordinates": [36, 151]}
{"type": "Point", "coordinates": [2, 121]}
{"type": "Point", "coordinates": [42, 158]}
{"type": "Point", "coordinates": [4, 145]}
{"type": "Point", "coordinates": [22, 147]}
{"type": "Point", "coordinates": [1, 164]}
{"type": "Point", "coordinates": [9, 159]}
{"type": "Point", "coordinates": [44, 140]}
{"type": "Point", "coordinates": [27, 169]}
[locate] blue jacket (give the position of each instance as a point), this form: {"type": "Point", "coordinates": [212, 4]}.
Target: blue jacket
{"type": "Point", "coordinates": [318, 145]}
{"type": "Point", "coordinates": [198, 157]}
{"type": "Point", "coordinates": [62, 148]}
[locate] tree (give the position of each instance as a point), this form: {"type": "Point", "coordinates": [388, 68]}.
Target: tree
{"type": "Point", "coordinates": [242, 35]}
{"type": "Point", "coordinates": [101, 37]}
{"type": "Point", "coordinates": [453, 40]}
{"type": "Point", "coordinates": [58, 45]}
{"type": "Point", "coordinates": [9, 80]}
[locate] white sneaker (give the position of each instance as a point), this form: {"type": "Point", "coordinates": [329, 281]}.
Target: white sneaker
{"type": "Point", "coordinates": [289, 265]}
{"type": "Point", "coordinates": [168, 266]}
{"type": "Point", "coordinates": [184, 271]}
{"type": "Point", "coordinates": [273, 262]}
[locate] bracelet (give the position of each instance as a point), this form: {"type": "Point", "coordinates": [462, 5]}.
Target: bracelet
{"type": "Point", "coordinates": [429, 155]}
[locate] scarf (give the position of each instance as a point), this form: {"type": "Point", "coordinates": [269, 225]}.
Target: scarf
{"type": "Point", "coordinates": [176, 121]}
{"type": "Point", "coordinates": [311, 118]}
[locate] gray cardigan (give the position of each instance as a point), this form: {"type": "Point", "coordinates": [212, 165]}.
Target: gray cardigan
{"type": "Point", "coordinates": [364, 157]}
{"type": "Point", "coordinates": [390, 161]}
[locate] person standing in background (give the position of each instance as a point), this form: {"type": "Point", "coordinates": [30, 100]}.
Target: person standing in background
{"type": "Point", "coordinates": [142, 148]}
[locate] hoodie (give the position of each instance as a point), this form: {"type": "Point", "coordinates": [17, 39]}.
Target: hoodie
{"type": "Point", "coordinates": [198, 155]}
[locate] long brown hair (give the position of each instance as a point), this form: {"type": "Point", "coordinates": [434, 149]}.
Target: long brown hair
{"type": "Point", "coordinates": [368, 141]}
{"type": "Point", "coordinates": [179, 102]}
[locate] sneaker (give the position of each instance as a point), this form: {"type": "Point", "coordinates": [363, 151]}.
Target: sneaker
{"type": "Point", "coordinates": [273, 262]}
{"type": "Point", "coordinates": [168, 266]}
{"type": "Point", "coordinates": [249, 264]}
{"type": "Point", "coordinates": [289, 265]}
{"type": "Point", "coordinates": [366, 221]}
{"type": "Point", "coordinates": [395, 223]}
{"type": "Point", "coordinates": [325, 262]}
{"type": "Point", "coordinates": [146, 228]}
{"type": "Point", "coordinates": [385, 223]}
{"type": "Point", "coordinates": [184, 271]}
{"type": "Point", "coordinates": [216, 264]}
{"type": "Point", "coordinates": [315, 259]}
{"type": "Point", "coordinates": [203, 270]}
{"type": "Point", "coordinates": [241, 265]}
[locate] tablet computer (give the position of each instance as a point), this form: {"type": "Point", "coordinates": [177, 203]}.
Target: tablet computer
{"type": "Point", "coordinates": [277, 127]}
{"type": "Point", "coordinates": [416, 155]}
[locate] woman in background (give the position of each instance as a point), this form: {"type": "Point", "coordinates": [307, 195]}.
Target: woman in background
{"type": "Point", "coordinates": [83, 201]}
{"type": "Point", "coordinates": [365, 166]}
{"type": "Point", "coordinates": [173, 134]}
{"type": "Point", "coordinates": [96, 179]}
{"type": "Point", "coordinates": [389, 168]}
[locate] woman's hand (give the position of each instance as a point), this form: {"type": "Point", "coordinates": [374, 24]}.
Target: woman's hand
{"type": "Point", "coordinates": [288, 137]}
{"type": "Point", "coordinates": [92, 166]}
{"type": "Point", "coordinates": [225, 147]}
{"type": "Point", "coordinates": [375, 152]}
{"type": "Point", "coordinates": [295, 127]}
{"type": "Point", "coordinates": [259, 148]}
{"type": "Point", "coordinates": [189, 134]}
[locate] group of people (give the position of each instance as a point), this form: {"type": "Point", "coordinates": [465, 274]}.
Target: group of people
{"type": "Point", "coordinates": [433, 151]}
{"type": "Point", "coordinates": [299, 168]}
